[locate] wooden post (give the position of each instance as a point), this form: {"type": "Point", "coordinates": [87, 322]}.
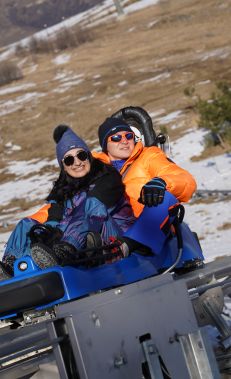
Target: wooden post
{"type": "Point", "coordinates": [119, 7]}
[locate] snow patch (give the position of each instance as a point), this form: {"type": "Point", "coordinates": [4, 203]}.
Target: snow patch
{"type": "Point", "coordinates": [62, 59]}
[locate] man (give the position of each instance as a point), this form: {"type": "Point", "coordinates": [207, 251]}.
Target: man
{"type": "Point", "coordinates": [147, 172]}
{"type": "Point", "coordinates": [155, 186]}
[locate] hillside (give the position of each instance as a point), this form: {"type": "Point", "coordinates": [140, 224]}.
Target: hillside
{"type": "Point", "coordinates": [19, 19]}
{"type": "Point", "coordinates": [148, 58]}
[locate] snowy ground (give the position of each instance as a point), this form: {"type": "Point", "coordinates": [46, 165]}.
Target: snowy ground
{"type": "Point", "coordinates": [211, 174]}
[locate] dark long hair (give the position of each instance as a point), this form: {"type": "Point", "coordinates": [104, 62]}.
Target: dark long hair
{"type": "Point", "coordinates": [65, 187]}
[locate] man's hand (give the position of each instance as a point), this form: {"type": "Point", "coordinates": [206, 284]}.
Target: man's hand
{"type": "Point", "coordinates": [152, 193]}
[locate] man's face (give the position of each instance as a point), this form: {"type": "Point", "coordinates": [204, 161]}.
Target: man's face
{"type": "Point", "coordinates": [120, 149]}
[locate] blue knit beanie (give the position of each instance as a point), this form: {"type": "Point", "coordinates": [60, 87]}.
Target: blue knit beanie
{"type": "Point", "coordinates": [66, 140]}
{"type": "Point", "coordinates": [110, 126]}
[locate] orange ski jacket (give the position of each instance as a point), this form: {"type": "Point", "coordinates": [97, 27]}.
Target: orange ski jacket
{"type": "Point", "coordinates": [146, 163]}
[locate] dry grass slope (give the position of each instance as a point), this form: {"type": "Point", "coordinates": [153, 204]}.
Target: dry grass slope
{"type": "Point", "coordinates": [155, 53]}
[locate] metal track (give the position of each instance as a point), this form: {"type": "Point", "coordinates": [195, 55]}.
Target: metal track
{"type": "Point", "coordinates": [218, 195]}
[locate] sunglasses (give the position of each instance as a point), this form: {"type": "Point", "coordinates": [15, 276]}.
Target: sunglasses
{"type": "Point", "coordinates": [118, 137]}
{"type": "Point", "coordinates": [70, 159]}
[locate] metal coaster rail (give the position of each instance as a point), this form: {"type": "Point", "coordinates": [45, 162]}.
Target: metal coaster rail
{"type": "Point", "coordinates": [211, 194]}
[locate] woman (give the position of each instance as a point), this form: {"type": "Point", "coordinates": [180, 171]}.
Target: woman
{"type": "Point", "coordinates": [88, 196]}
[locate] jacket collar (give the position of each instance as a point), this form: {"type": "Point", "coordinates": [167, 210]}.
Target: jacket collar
{"type": "Point", "coordinates": [136, 152]}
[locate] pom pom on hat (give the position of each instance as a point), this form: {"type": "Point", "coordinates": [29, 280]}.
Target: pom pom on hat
{"type": "Point", "coordinates": [66, 140]}
{"type": "Point", "coordinates": [58, 132]}
{"type": "Point", "coordinates": [110, 126]}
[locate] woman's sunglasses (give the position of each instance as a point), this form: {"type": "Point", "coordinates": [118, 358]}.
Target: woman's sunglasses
{"type": "Point", "coordinates": [118, 137]}
{"type": "Point", "coordinates": [70, 159]}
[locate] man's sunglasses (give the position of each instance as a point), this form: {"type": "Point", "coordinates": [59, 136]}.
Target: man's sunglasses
{"type": "Point", "coordinates": [69, 160]}
{"type": "Point", "coordinates": [118, 137]}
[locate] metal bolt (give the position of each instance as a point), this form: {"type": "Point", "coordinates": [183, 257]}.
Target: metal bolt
{"type": "Point", "coordinates": [93, 316]}
{"type": "Point", "coordinates": [118, 292]}
{"type": "Point", "coordinates": [23, 266]}
{"type": "Point", "coordinates": [151, 349]}
{"type": "Point", "coordinates": [119, 361]}
{"type": "Point", "coordinates": [95, 319]}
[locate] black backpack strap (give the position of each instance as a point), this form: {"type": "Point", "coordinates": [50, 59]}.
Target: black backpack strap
{"type": "Point", "coordinates": [178, 212]}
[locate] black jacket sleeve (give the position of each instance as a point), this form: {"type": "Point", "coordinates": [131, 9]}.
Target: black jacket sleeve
{"type": "Point", "coordinates": [109, 187]}
{"type": "Point", "coordinates": [55, 212]}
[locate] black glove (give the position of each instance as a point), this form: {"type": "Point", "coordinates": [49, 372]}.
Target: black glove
{"type": "Point", "coordinates": [152, 193]}
{"type": "Point", "coordinates": [55, 212]}
{"type": "Point", "coordinates": [46, 234]}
